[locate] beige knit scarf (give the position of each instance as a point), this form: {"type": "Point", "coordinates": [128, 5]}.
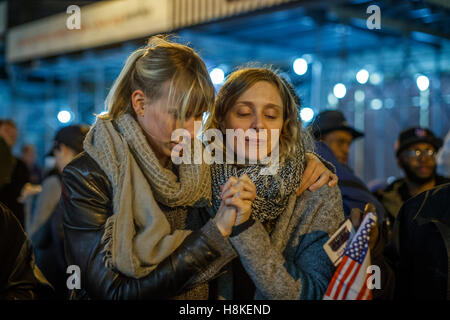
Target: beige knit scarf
{"type": "Point", "coordinates": [138, 236]}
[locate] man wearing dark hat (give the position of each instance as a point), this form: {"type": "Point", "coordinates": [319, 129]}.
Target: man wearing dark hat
{"type": "Point", "coordinates": [45, 218]}
{"type": "Point", "coordinates": [420, 248]}
{"type": "Point", "coordinates": [333, 137]}
{"type": "Point", "coordinates": [67, 144]}
{"type": "Point", "coordinates": [416, 150]}
{"type": "Point", "coordinates": [331, 128]}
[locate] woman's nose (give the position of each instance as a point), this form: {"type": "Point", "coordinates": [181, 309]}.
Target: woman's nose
{"type": "Point", "coordinates": [258, 122]}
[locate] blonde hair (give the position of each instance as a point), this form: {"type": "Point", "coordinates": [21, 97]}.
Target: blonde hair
{"type": "Point", "coordinates": [148, 68]}
{"type": "Point", "coordinates": [240, 81]}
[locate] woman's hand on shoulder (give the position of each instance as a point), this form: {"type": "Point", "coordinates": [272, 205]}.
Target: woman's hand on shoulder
{"type": "Point", "coordinates": [316, 175]}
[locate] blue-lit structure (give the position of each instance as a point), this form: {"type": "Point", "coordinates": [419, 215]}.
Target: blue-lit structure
{"type": "Point", "coordinates": [414, 40]}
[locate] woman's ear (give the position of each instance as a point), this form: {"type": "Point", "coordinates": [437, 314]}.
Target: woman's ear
{"type": "Point", "coordinates": [138, 101]}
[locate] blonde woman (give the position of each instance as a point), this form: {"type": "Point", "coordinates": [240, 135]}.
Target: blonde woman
{"type": "Point", "coordinates": [134, 222]}
{"type": "Point", "coordinates": [280, 251]}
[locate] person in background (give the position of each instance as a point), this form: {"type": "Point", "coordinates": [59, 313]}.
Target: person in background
{"type": "Point", "coordinates": [20, 278]}
{"type": "Point", "coordinates": [45, 227]}
{"type": "Point", "coordinates": [28, 156]}
{"type": "Point", "coordinates": [334, 137]}
{"type": "Point", "coordinates": [416, 155]}
{"type": "Point", "coordinates": [422, 243]}
{"type": "Point", "coordinates": [7, 160]}
{"type": "Point", "coordinates": [15, 174]}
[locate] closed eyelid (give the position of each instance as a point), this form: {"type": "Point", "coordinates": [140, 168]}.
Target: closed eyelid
{"type": "Point", "coordinates": [243, 104]}
{"type": "Point", "coordinates": [273, 111]}
{"type": "Point", "coordinates": [243, 108]}
{"type": "Point", "coordinates": [274, 107]}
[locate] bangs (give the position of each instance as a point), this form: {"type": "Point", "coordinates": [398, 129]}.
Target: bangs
{"type": "Point", "coordinates": [192, 93]}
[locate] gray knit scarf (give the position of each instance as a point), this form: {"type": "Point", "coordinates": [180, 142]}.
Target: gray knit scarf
{"type": "Point", "coordinates": [138, 235]}
{"type": "Point", "coordinates": [272, 191]}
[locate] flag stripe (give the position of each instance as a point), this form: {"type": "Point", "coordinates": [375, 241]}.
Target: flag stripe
{"type": "Point", "coordinates": [351, 281]}
{"type": "Point", "coordinates": [346, 280]}
{"type": "Point", "coordinates": [341, 277]}
{"type": "Point", "coordinates": [361, 280]}
{"type": "Point", "coordinates": [332, 285]}
{"type": "Point", "coordinates": [334, 281]}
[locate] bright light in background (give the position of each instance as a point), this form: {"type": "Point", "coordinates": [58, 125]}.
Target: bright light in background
{"type": "Point", "coordinates": [422, 83]}
{"type": "Point", "coordinates": [339, 90]}
{"type": "Point", "coordinates": [376, 104]}
{"type": "Point", "coordinates": [362, 76]}
{"type": "Point", "coordinates": [376, 78]}
{"type": "Point", "coordinates": [359, 96]}
{"type": "Point", "coordinates": [300, 66]}
{"type": "Point", "coordinates": [217, 75]}
{"type": "Point", "coordinates": [307, 114]}
{"type": "Point", "coordinates": [64, 116]}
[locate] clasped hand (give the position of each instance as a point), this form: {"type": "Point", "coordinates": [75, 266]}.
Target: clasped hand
{"type": "Point", "coordinates": [237, 196]}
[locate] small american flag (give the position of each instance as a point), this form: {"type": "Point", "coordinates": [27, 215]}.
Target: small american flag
{"type": "Point", "coordinates": [349, 282]}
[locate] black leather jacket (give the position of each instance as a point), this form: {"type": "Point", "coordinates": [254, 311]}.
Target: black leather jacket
{"type": "Point", "coordinates": [87, 203]}
{"type": "Point", "coordinates": [20, 278]}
